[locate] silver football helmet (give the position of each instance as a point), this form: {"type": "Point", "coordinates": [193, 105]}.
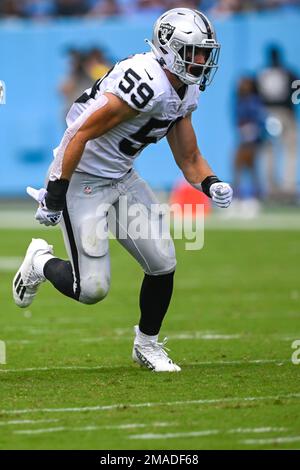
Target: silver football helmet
{"type": "Point", "coordinates": [180, 35]}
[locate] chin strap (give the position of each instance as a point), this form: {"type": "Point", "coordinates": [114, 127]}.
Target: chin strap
{"type": "Point", "coordinates": [202, 86]}
{"type": "Point", "coordinates": [160, 59]}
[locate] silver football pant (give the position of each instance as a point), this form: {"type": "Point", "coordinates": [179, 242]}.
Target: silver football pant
{"type": "Point", "coordinates": [92, 204]}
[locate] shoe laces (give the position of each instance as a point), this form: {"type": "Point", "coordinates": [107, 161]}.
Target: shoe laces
{"type": "Point", "coordinates": [32, 279]}
{"type": "Point", "coordinates": [158, 350]}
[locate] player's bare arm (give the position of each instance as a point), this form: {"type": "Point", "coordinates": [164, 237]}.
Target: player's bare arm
{"type": "Point", "coordinates": [183, 143]}
{"type": "Point", "coordinates": [113, 113]}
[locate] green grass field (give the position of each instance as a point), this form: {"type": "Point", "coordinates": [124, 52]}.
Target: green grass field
{"type": "Point", "coordinates": [69, 382]}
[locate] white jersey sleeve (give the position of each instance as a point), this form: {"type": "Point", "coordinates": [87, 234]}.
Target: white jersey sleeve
{"type": "Point", "coordinates": [131, 80]}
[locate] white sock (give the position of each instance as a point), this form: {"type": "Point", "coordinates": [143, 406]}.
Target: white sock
{"type": "Point", "coordinates": [142, 338]}
{"type": "Point", "coordinates": [39, 262]}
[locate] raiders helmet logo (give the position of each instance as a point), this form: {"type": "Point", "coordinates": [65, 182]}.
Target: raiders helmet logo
{"type": "Point", "coordinates": [165, 33]}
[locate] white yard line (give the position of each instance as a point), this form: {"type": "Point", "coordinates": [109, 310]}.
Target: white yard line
{"type": "Point", "coordinates": [126, 333]}
{"type": "Point", "coordinates": [278, 362]}
{"type": "Point", "coordinates": [275, 440]}
{"type": "Point", "coordinates": [23, 342]}
{"type": "Point", "coordinates": [97, 339]}
{"type": "Point", "coordinates": [209, 337]}
{"type": "Point", "coordinates": [42, 431]}
{"type": "Point", "coordinates": [24, 219]}
{"type": "Point", "coordinates": [240, 362]}
{"type": "Point", "coordinates": [290, 338]}
{"type": "Point", "coordinates": [9, 263]}
{"type": "Point", "coordinates": [147, 436]}
{"type": "Point", "coordinates": [256, 430]}
{"type": "Point", "coordinates": [150, 405]}
{"type": "Point", "coordinates": [175, 435]}
{"type": "Point", "coordinates": [40, 331]}
{"type": "Point", "coordinates": [207, 432]}
{"type": "Point", "coordinates": [46, 369]}
{"type": "Point", "coordinates": [182, 336]}
{"type": "Point", "coordinates": [92, 428]}
{"type": "Point", "coordinates": [264, 221]}
{"type": "Point", "coordinates": [192, 334]}
{"type": "Point", "coordinates": [27, 421]}
{"type": "Point", "coordinates": [20, 219]}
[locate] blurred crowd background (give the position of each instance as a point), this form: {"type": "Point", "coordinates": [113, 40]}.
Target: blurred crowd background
{"type": "Point", "coordinates": [247, 122]}
{"type": "Point", "coordinates": [38, 9]}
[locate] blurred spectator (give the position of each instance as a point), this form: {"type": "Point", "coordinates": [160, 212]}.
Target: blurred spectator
{"type": "Point", "coordinates": [182, 4]}
{"type": "Point", "coordinates": [104, 8]}
{"type": "Point", "coordinates": [71, 7]}
{"type": "Point", "coordinates": [153, 6]}
{"type": "Point", "coordinates": [77, 79]}
{"type": "Point", "coordinates": [96, 65]}
{"type": "Point", "coordinates": [225, 7]}
{"type": "Point", "coordinates": [38, 8]}
{"type": "Point", "coordinates": [11, 8]}
{"type": "Point", "coordinates": [250, 121]}
{"type": "Point", "coordinates": [275, 88]}
{"type": "Point", "coordinates": [142, 7]}
{"type": "Point", "coordinates": [271, 4]}
{"type": "Point", "coordinates": [85, 69]}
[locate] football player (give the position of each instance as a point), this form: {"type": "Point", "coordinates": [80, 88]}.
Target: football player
{"type": "Point", "coordinates": [140, 100]}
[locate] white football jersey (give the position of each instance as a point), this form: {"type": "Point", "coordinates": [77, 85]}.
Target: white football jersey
{"type": "Point", "coordinates": [142, 83]}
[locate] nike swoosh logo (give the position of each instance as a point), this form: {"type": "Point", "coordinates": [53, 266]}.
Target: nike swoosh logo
{"type": "Point", "coordinates": [150, 78]}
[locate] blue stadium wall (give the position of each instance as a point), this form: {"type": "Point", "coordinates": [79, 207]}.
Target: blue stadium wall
{"type": "Point", "coordinates": [33, 61]}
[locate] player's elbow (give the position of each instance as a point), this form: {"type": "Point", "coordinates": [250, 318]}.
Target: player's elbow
{"type": "Point", "coordinates": [82, 137]}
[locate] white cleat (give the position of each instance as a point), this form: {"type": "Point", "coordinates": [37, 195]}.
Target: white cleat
{"type": "Point", "coordinates": [27, 280]}
{"type": "Point", "coordinates": [152, 355]}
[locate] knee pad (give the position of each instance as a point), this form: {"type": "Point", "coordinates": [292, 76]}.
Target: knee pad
{"type": "Point", "coordinates": [163, 258]}
{"type": "Point", "coordinates": [93, 289]}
